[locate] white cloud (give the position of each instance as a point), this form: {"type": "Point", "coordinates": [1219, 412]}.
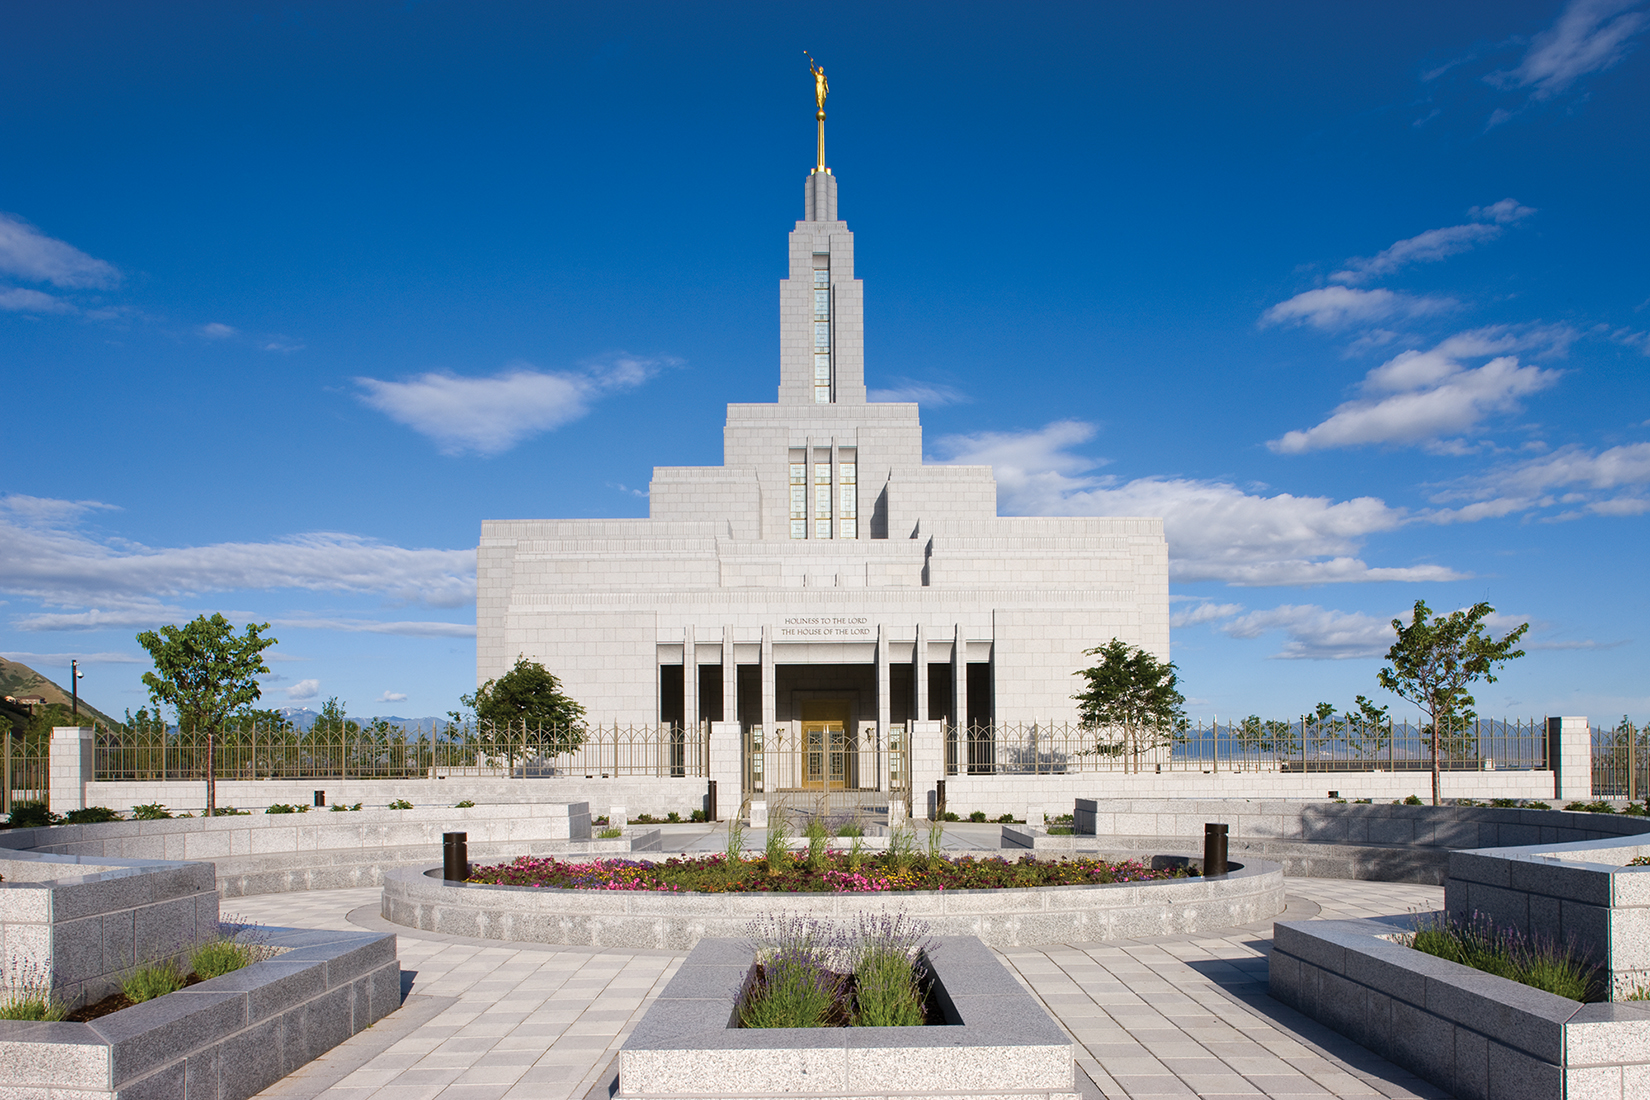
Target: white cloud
{"type": "Point", "coordinates": [1612, 482]}
{"type": "Point", "coordinates": [1436, 244]}
{"type": "Point", "coordinates": [45, 555]}
{"type": "Point", "coordinates": [488, 416]}
{"type": "Point", "coordinates": [375, 626]}
{"type": "Point", "coordinates": [932, 394]}
{"type": "Point", "coordinates": [304, 689]}
{"type": "Point", "coordinates": [1317, 633]}
{"type": "Point", "coordinates": [1204, 613]}
{"type": "Point", "coordinates": [283, 343]}
{"type": "Point", "coordinates": [1421, 397]}
{"type": "Point", "coordinates": [218, 331]}
{"type": "Point", "coordinates": [1589, 36]}
{"type": "Point", "coordinates": [63, 659]}
{"type": "Point", "coordinates": [27, 253]}
{"type": "Point", "coordinates": [19, 300]}
{"type": "Point", "coordinates": [1339, 307]}
{"type": "Point", "coordinates": [392, 697]}
{"type": "Point", "coordinates": [1216, 531]}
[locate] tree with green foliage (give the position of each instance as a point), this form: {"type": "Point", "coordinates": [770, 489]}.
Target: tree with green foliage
{"type": "Point", "coordinates": [1436, 658]}
{"type": "Point", "coordinates": [205, 672]}
{"type": "Point", "coordinates": [1132, 694]}
{"type": "Point", "coordinates": [528, 699]}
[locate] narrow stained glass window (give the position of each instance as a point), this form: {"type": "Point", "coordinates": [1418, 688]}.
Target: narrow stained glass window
{"type": "Point", "coordinates": [799, 500]}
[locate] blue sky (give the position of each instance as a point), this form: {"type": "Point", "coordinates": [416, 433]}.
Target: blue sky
{"type": "Point", "coordinates": [292, 296]}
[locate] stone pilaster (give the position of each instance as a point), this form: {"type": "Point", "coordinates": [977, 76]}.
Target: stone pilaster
{"type": "Point", "coordinates": [71, 763]}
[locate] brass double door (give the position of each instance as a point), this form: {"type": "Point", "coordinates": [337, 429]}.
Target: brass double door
{"type": "Point", "coordinates": [830, 761]}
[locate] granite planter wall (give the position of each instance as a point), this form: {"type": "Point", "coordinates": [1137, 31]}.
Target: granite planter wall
{"type": "Point", "coordinates": [1477, 1035]}
{"type": "Point", "coordinates": [223, 1039]}
{"type": "Point", "coordinates": [1579, 893]}
{"type": "Point", "coordinates": [84, 921]}
{"type": "Point", "coordinates": [997, 1041]}
{"type": "Point", "coordinates": [1002, 918]}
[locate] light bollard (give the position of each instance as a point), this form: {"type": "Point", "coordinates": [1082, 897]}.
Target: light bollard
{"type": "Point", "coordinates": [455, 857]}
{"type": "Point", "coordinates": [1214, 850]}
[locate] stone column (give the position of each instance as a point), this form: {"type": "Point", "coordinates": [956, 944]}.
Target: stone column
{"type": "Point", "coordinates": [727, 768]}
{"type": "Point", "coordinates": [882, 678]}
{"type": "Point", "coordinates": [959, 684]}
{"type": "Point", "coordinates": [1570, 755]}
{"type": "Point", "coordinates": [927, 755]}
{"type": "Point", "coordinates": [919, 675]}
{"type": "Point", "coordinates": [730, 678]}
{"type": "Point", "coordinates": [770, 694]}
{"type": "Point", "coordinates": [690, 680]}
{"type": "Point", "coordinates": [71, 766]}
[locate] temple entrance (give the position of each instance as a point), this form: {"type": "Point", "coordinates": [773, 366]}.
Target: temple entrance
{"type": "Point", "coordinates": [825, 745]}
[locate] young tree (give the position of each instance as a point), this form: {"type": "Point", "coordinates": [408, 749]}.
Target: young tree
{"type": "Point", "coordinates": [1434, 660]}
{"type": "Point", "coordinates": [206, 673]}
{"type": "Point", "coordinates": [529, 698]}
{"type": "Point", "coordinates": [1133, 692]}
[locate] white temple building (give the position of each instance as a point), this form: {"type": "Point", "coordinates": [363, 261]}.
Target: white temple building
{"type": "Point", "coordinates": [824, 577]}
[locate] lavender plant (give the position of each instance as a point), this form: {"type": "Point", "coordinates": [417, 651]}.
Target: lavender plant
{"type": "Point", "coordinates": [795, 982]}
{"type": "Point", "coordinates": [28, 993]}
{"type": "Point", "coordinates": [1533, 960]}
{"type": "Point", "coordinates": [890, 970]}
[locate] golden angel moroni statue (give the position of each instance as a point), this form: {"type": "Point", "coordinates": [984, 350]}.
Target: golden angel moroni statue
{"type": "Point", "coordinates": [822, 87]}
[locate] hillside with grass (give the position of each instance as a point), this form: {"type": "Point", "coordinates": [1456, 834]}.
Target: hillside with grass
{"type": "Point", "coordinates": [19, 680]}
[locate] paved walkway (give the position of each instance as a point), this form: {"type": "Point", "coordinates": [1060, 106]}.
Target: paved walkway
{"type": "Point", "coordinates": [1177, 1016]}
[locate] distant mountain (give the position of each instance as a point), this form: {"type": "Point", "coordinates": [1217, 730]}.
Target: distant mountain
{"type": "Point", "coordinates": [19, 680]}
{"type": "Point", "coordinates": [304, 719]}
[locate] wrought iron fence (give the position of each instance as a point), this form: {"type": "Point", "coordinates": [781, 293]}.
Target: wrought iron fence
{"type": "Point", "coordinates": [1621, 761]}
{"type": "Point", "coordinates": [25, 769]}
{"type": "Point", "coordinates": [384, 751]}
{"type": "Point", "coordinates": [1334, 745]}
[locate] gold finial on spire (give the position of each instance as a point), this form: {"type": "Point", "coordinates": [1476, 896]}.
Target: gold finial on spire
{"type": "Point", "coordinates": [822, 88]}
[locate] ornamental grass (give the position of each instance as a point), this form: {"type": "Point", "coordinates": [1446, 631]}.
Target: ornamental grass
{"type": "Point", "coordinates": [807, 873]}
{"type": "Point", "coordinates": [812, 973]}
{"type": "Point", "coordinates": [1508, 953]}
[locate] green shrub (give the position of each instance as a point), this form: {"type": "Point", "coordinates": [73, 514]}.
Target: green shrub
{"type": "Point", "coordinates": [32, 815]}
{"type": "Point", "coordinates": [977, 815]}
{"type": "Point", "coordinates": [673, 816]}
{"type": "Point", "coordinates": [401, 804]}
{"type": "Point", "coordinates": [1504, 803]}
{"type": "Point", "coordinates": [1007, 819]}
{"type": "Point", "coordinates": [1468, 802]}
{"type": "Point", "coordinates": [610, 833]}
{"type": "Point", "coordinates": [216, 957]}
{"type": "Point", "coordinates": [1532, 804]}
{"type": "Point", "coordinates": [1639, 861]}
{"type": "Point", "coordinates": [226, 811]}
{"type": "Point", "coordinates": [1412, 800]}
{"type": "Point", "coordinates": [1635, 810]}
{"type": "Point", "coordinates": [145, 983]}
{"type": "Point", "coordinates": [1591, 808]}
{"type": "Point", "coordinates": [645, 819]}
{"type": "Point", "coordinates": [697, 815]}
{"type": "Point", "coordinates": [91, 815]}
{"type": "Point", "coordinates": [340, 808]}
{"type": "Point", "coordinates": [465, 804]}
{"type": "Point", "coordinates": [151, 811]}
{"type": "Point", "coordinates": [284, 808]}
{"type": "Point", "coordinates": [949, 816]}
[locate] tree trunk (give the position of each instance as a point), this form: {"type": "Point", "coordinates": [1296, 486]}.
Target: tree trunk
{"type": "Point", "coordinates": [211, 774]}
{"type": "Point", "coordinates": [1435, 784]}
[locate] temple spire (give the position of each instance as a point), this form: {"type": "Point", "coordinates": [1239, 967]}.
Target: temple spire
{"type": "Point", "coordinates": [822, 88]}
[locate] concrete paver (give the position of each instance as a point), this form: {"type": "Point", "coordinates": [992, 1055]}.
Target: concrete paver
{"type": "Point", "coordinates": [1173, 1016]}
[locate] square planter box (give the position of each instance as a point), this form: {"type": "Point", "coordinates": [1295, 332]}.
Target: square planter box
{"type": "Point", "coordinates": [998, 1041]}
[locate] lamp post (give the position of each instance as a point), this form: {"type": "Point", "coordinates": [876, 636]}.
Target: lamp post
{"type": "Point", "coordinates": [74, 689]}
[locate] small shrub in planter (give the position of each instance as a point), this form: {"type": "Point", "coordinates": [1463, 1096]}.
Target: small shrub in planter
{"type": "Point", "coordinates": [610, 833]}
{"type": "Point", "coordinates": [91, 815]}
{"type": "Point", "coordinates": [1591, 808]}
{"type": "Point", "coordinates": [1506, 952]}
{"type": "Point", "coordinates": [1468, 802]}
{"type": "Point", "coordinates": [151, 811]}
{"type": "Point", "coordinates": [284, 808]}
{"type": "Point", "coordinates": [1504, 803]}
{"type": "Point", "coordinates": [32, 815]}
{"type": "Point", "coordinates": [1009, 819]}
{"type": "Point", "coordinates": [977, 815]}
{"type": "Point", "coordinates": [697, 815]}
{"type": "Point", "coordinates": [226, 811]}
{"type": "Point", "coordinates": [673, 817]}
{"type": "Point", "coordinates": [401, 804]}
{"type": "Point", "coordinates": [340, 808]}
{"type": "Point", "coordinates": [28, 994]}
{"type": "Point", "coordinates": [645, 819]}
{"type": "Point", "coordinates": [950, 816]}
{"type": "Point", "coordinates": [152, 980]}
{"type": "Point", "coordinates": [466, 804]}
{"type": "Point", "coordinates": [809, 973]}
{"type": "Point", "coordinates": [1412, 800]}
{"type": "Point", "coordinates": [1532, 804]}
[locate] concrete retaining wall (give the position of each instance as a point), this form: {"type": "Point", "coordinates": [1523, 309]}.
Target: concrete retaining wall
{"type": "Point", "coordinates": [223, 1039]}
{"type": "Point", "coordinates": [1024, 795]}
{"type": "Point", "coordinates": [1477, 1035]}
{"type": "Point", "coordinates": [1002, 918]}
{"type": "Point", "coordinates": [85, 922]}
{"type": "Point", "coordinates": [640, 794]}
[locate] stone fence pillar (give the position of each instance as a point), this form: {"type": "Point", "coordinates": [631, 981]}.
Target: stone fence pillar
{"type": "Point", "coordinates": [727, 767]}
{"type": "Point", "coordinates": [71, 767]}
{"type": "Point", "coordinates": [927, 757]}
{"type": "Point", "coordinates": [1570, 755]}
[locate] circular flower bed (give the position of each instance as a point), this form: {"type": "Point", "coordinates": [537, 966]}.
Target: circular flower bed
{"type": "Point", "coordinates": [797, 873]}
